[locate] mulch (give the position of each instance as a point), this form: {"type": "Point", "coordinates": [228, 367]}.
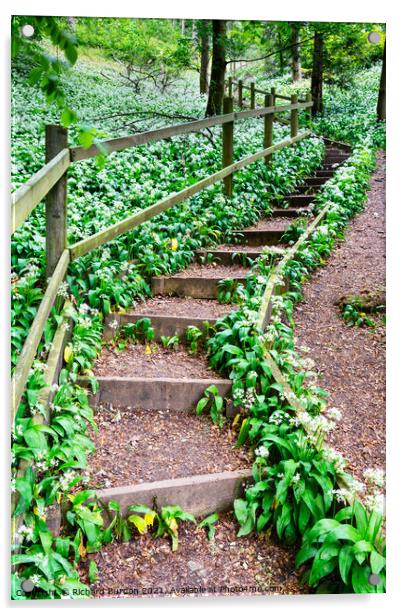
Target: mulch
{"type": "Point", "coordinates": [213, 270]}
{"type": "Point", "coordinates": [267, 224]}
{"type": "Point", "coordinates": [246, 248]}
{"type": "Point", "coordinates": [183, 306]}
{"type": "Point", "coordinates": [135, 446]}
{"type": "Point", "coordinates": [351, 360]}
{"type": "Point", "coordinates": [152, 360]}
{"type": "Point", "coordinates": [227, 565]}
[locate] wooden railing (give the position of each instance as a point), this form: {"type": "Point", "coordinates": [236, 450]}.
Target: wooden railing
{"type": "Point", "coordinates": [51, 182]}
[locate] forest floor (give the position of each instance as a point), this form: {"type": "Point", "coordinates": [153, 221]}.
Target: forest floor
{"type": "Point", "coordinates": [350, 360]}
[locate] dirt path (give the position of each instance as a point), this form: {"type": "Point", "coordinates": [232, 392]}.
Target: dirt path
{"type": "Point", "coordinates": [227, 565]}
{"type": "Point", "coordinates": [351, 360]}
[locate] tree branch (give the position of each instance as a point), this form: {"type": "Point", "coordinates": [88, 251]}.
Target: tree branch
{"type": "Point", "coordinates": [272, 53]}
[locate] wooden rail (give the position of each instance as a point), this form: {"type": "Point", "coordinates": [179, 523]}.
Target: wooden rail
{"type": "Point", "coordinates": [35, 333]}
{"type": "Point", "coordinates": [266, 302]}
{"type": "Point", "coordinates": [129, 141]}
{"type": "Point", "coordinates": [30, 194]}
{"type": "Point", "coordinates": [51, 182]}
{"type": "Point", "coordinates": [84, 246]}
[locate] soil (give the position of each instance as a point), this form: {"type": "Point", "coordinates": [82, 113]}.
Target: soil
{"type": "Point", "coordinates": [227, 565]}
{"type": "Point", "coordinates": [214, 270]}
{"type": "Point", "coordinates": [351, 360]}
{"type": "Point", "coordinates": [268, 224]}
{"type": "Point", "coordinates": [246, 248]}
{"type": "Point", "coordinates": [135, 446]}
{"type": "Point", "coordinates": [152, 361]}
{"type": "Point", "coordinates": [183, 307]}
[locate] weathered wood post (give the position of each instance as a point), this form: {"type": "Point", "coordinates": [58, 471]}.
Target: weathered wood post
{"type": "Point", "coordinates": [273, 92]}
{"type": "Point", "coordinates": [294, 118]}
{"type": "Point", "coordinates": [227, 145]}
{"type": "Point", "coordinates": [252, 95]}
{"type": "Point", "coordinates": [268, 126]}
{"type": "Point", "coordinates": [309, 98]}
{"type": "Point", "coordinates": [240, 92]}
{"type": "Point", "coordinates": [56, 201]}
{"type": "Point", "coordinates": [230, 87]}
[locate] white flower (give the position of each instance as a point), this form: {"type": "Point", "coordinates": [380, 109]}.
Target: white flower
{"type": "Point", "coordinates": [35, 579]}
{"type": "Point", "coordinates": [376, 502]}
{"type": "Point", "coordinates": [262, 452]}
{"type": "Point", "coordinates": [63, 290]}
{"type": "Point", "coordinates": [114, 324]}
{"type": "Point", "coordinates": [375, 476]}
{"type": "Point", "coordinates": [334, 413]}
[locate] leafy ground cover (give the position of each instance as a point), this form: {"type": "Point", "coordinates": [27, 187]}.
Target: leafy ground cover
{"type": "Point", "coordinates": [349, 111]}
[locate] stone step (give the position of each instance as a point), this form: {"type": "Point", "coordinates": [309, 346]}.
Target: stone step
{"type": "Point", "coordinates": [299, 200]}
{"type": "Point", "coordinates": [200, 495]}
{"type": "Point", "coordinates": [163, 325]}
{"type": "Point", "coordinates": [177, 394]}
{"type": "Point", "coordinates": [334, 159]}
{"type": "Point", "coordinates": [291, 212]}
{"type": "Point", "coordinates": [227, 257]}
{"type": "Point", "coordinates": [324, 173]}
{"type": "Point", "coordinates": [197, 287]}
{"type": "Point", "coordinates": [237, 254]}
{"type": "Point", "coordinates": [261, 237]}
{"type": "Point", "coordinates": [315, 181]}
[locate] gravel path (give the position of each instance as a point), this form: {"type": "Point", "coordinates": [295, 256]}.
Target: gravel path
{"type": "Point", "coordinates": [351, 360]}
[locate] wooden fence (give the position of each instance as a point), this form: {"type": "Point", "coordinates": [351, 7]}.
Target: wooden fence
{"type": "Point", "coordinates": [51, 182]}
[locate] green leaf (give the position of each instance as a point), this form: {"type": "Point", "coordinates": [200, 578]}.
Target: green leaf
{"type": "Point", "coordinates": [322, 527]}
{"type": "Point", "coordinates": [346, 557]}
{"type": "Point", "coordinates": [306, 552]}
{"type": "Point", "coordinates": [360, 583]}
{"type": "Point", "coordinates": [344, 531]}
{"type": "Point", "coordinates": [93, 572]}
{"type": "Point", "coordinates": [321, 568]}
{"type": "Point", "coordinates": [243, 433]}
{"type": "Point", "coordinates": [201, 405]}
{"type": "Point", "coordinates": [377, 562]}
{"type": "Point", "coordinates": [241, 510]}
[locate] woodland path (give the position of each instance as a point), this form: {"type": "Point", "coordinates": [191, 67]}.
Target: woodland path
{"type": "Point", "coordinates": [149, 434]}
{"type": "Point", "coordinates": [351, 360]}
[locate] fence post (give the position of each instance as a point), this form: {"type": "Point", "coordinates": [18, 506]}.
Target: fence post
{"type": "Point", "coordinates": [268, 126]}
{"type": "Point", "coordinates": [309, 98]}
{"type": "Point", "coordinates": [252, 95]}
{"type": "Point", "coordinates": [230, 86]}
{"type": "Point", "coordinates": [227, 145]}
{"type": "Point", "coordinates": [56, 201]}
{"type": "Point", "coordinates": [273, 92]}
{"type": "Point", "coordinates": [294, 119]}
{"type": "Point", "coordinates": [240, 92]}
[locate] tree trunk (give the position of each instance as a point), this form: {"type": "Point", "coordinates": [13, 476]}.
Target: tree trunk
{"type": "Point", "coordinates": [295, 42]}
{"type": "Point", "coordinates": [316, 76]}
{"type": "Point", "coordinates": [217, 81]}
{"type": "Point", "coordinates": [381, 111]}
{"type": "Point", "coordinates": [204, 44]}
{"type": "Point", "coordinates": [280, 53]}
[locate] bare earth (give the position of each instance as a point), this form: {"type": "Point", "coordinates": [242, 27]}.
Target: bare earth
{"type": "Point", "coordinates": [152, 361]}
{"type": "Point", "coordinates": [135, 446]}
{"type": "Point", "coordinates": [227, 565]}
{"type": "Point", "coordinates": [351, 360]}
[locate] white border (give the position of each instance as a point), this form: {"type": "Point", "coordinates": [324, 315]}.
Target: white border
{"type": "Point", "coordinates": [304, 10]}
